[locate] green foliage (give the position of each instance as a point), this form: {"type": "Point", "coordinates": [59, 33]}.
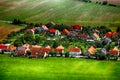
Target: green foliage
{"type": "Point", "coordinates": [18, 22]}
{"type": "Point", "coordinates": [12, 34]}
{"type": "Point", "coordinates": [17, 43]}
{"type": "Point", "coordinates": [61, 27]}
{"type": "Point", "coordinates": [104, 3]}
{"type": "Point", "coordinates": [29, 38]}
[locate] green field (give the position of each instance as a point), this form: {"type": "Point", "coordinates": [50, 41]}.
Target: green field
{"type": "Point", "coordinates": [60, 11]}
{"type": "Point", "coordinates": [57, 68]}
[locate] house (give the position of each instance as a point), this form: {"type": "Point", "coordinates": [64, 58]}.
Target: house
{"type": "Point", "coordinates": [91, 52]}
{"type": "Point", "coordinates": [20, 51]}
{"type": "Point", "coordinates": [38, 52]}
{"type": "Point", "coordinates": [74, 52]}
{"type": "Point", "coordinates": [111, 34]}
{"type": "Point", "coordinates": [47, 49]}
{"type": "Point", "coordinates": [59, 50]}
{"type": "Point", "coordinates": [32, 30]}
{"type": "Point", "coordinates": [82, 36]}
{"type": "Point", "coordinates": [7, 48]}
{"type": "Point", "coordinates": [12, 48]}
{"type": "Point", "coordinates": [102, 54]}
{"type": "Point", "coordinates": [76, 27]}
{"type": "Point", "coordinates": [73, 33]}
{"type": "Point", "coordinates": [3, 47]}
{"type": "Point", "coordinates": [52, 31]}
{"type": "Point", "coordinates": [44, 27]}
{"type": "Point", "coordinates": [106, 41]}
{"type": "Point", "coordinates": [35, 51]}
{"type": "Point", "coordinates": [95, 36]}
{"type": "Point", "coordinates": [114, 53]}
{"type": "Point", "coordinates": [57, 33]}
{"type": "Point", "coordinates": [108, 34]}
{"type": "Point", "coordinates": [66, 31]}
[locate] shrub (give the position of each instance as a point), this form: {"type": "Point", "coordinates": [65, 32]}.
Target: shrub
{"type": "Point", "coordinates": [112, 5]}
{"type": "Point", "coordinates": [104, 3]}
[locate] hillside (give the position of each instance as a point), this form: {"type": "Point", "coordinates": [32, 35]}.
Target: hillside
{"type": "Point", "coordinates": [60, 11]}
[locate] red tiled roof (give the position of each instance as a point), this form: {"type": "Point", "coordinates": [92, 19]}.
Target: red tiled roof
{"type": "Point", "coordinates": [76, 27]}
{"type": "Point", "coordinates": [52, 30]}
{"type": "Point", "coordinates": [114, 51]}
{"type": "Point", "coordinates": [74, 50]}
{"type": "Point", "coordinates": [58, 50]}
{"type": "Point", "coordinates": [4, 47]}
{"type": "Point", "coordinates": [111, 34]}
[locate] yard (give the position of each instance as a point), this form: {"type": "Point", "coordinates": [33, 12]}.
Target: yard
{"type": "Point", "coordinates": [57, 68]}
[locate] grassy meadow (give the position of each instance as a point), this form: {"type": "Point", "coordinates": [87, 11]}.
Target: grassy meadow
{"type": "Point", "coordinates": [57, 68]}
{"type": "Point", "coordinates": [60, 11]}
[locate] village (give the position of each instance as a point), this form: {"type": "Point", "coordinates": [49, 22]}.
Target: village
{"type": "Point", "coordinates": [41, 41]}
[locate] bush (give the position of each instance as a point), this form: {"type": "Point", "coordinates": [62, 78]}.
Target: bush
{"type": "Point", "coordinates": [112, 5]}
{"type": "Point", "coordinates": [104, 3]}
{"type": "Point", "coordinates": [67, 54]}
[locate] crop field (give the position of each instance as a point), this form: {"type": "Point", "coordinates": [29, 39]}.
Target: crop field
{"type": "Point", "coordinates": [57, 68]}
{"type": "Point", "coordinates": [60, 11]}
{"type": "Point", "coordinates": [6, 28]}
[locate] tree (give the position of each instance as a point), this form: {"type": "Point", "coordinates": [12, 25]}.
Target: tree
{"type": "Point", "coordinates": [118, 29]}
{"type": "Point", "coordinates": [29, 38]}
{"type": "Point", "coordinates": [104, 3]}
{"type": "Point", "coordinates": [17, 43]}
{"type": "Point", "coordinates": [16, 22]}
{"type": "Point", "coordinates": [12, 34]}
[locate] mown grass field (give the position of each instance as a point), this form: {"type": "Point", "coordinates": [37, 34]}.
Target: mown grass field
{"type": "Point", "coordinates": [57, 68]}
{"type": "Point", "coordinates": [60, 11]}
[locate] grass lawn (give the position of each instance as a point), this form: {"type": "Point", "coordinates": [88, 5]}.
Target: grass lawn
{"type": "Point", "coordinates": [57, 68]}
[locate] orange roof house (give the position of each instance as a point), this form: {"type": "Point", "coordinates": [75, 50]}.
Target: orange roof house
{"type": "Point", "coordinates": [91, 50]}
{"type": "Point", "coordinates": [96, 36]}
{"type": "Point", "coordinates": [66, 31]}
{"type": "Point", "coordinates": [12, 48]}
{"type": "Point", "coordinates": [46, 49]}
{"type": "Point", "coordinates": [115, 51]}
{"type": "Point", "coordinates": [59, 49]}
